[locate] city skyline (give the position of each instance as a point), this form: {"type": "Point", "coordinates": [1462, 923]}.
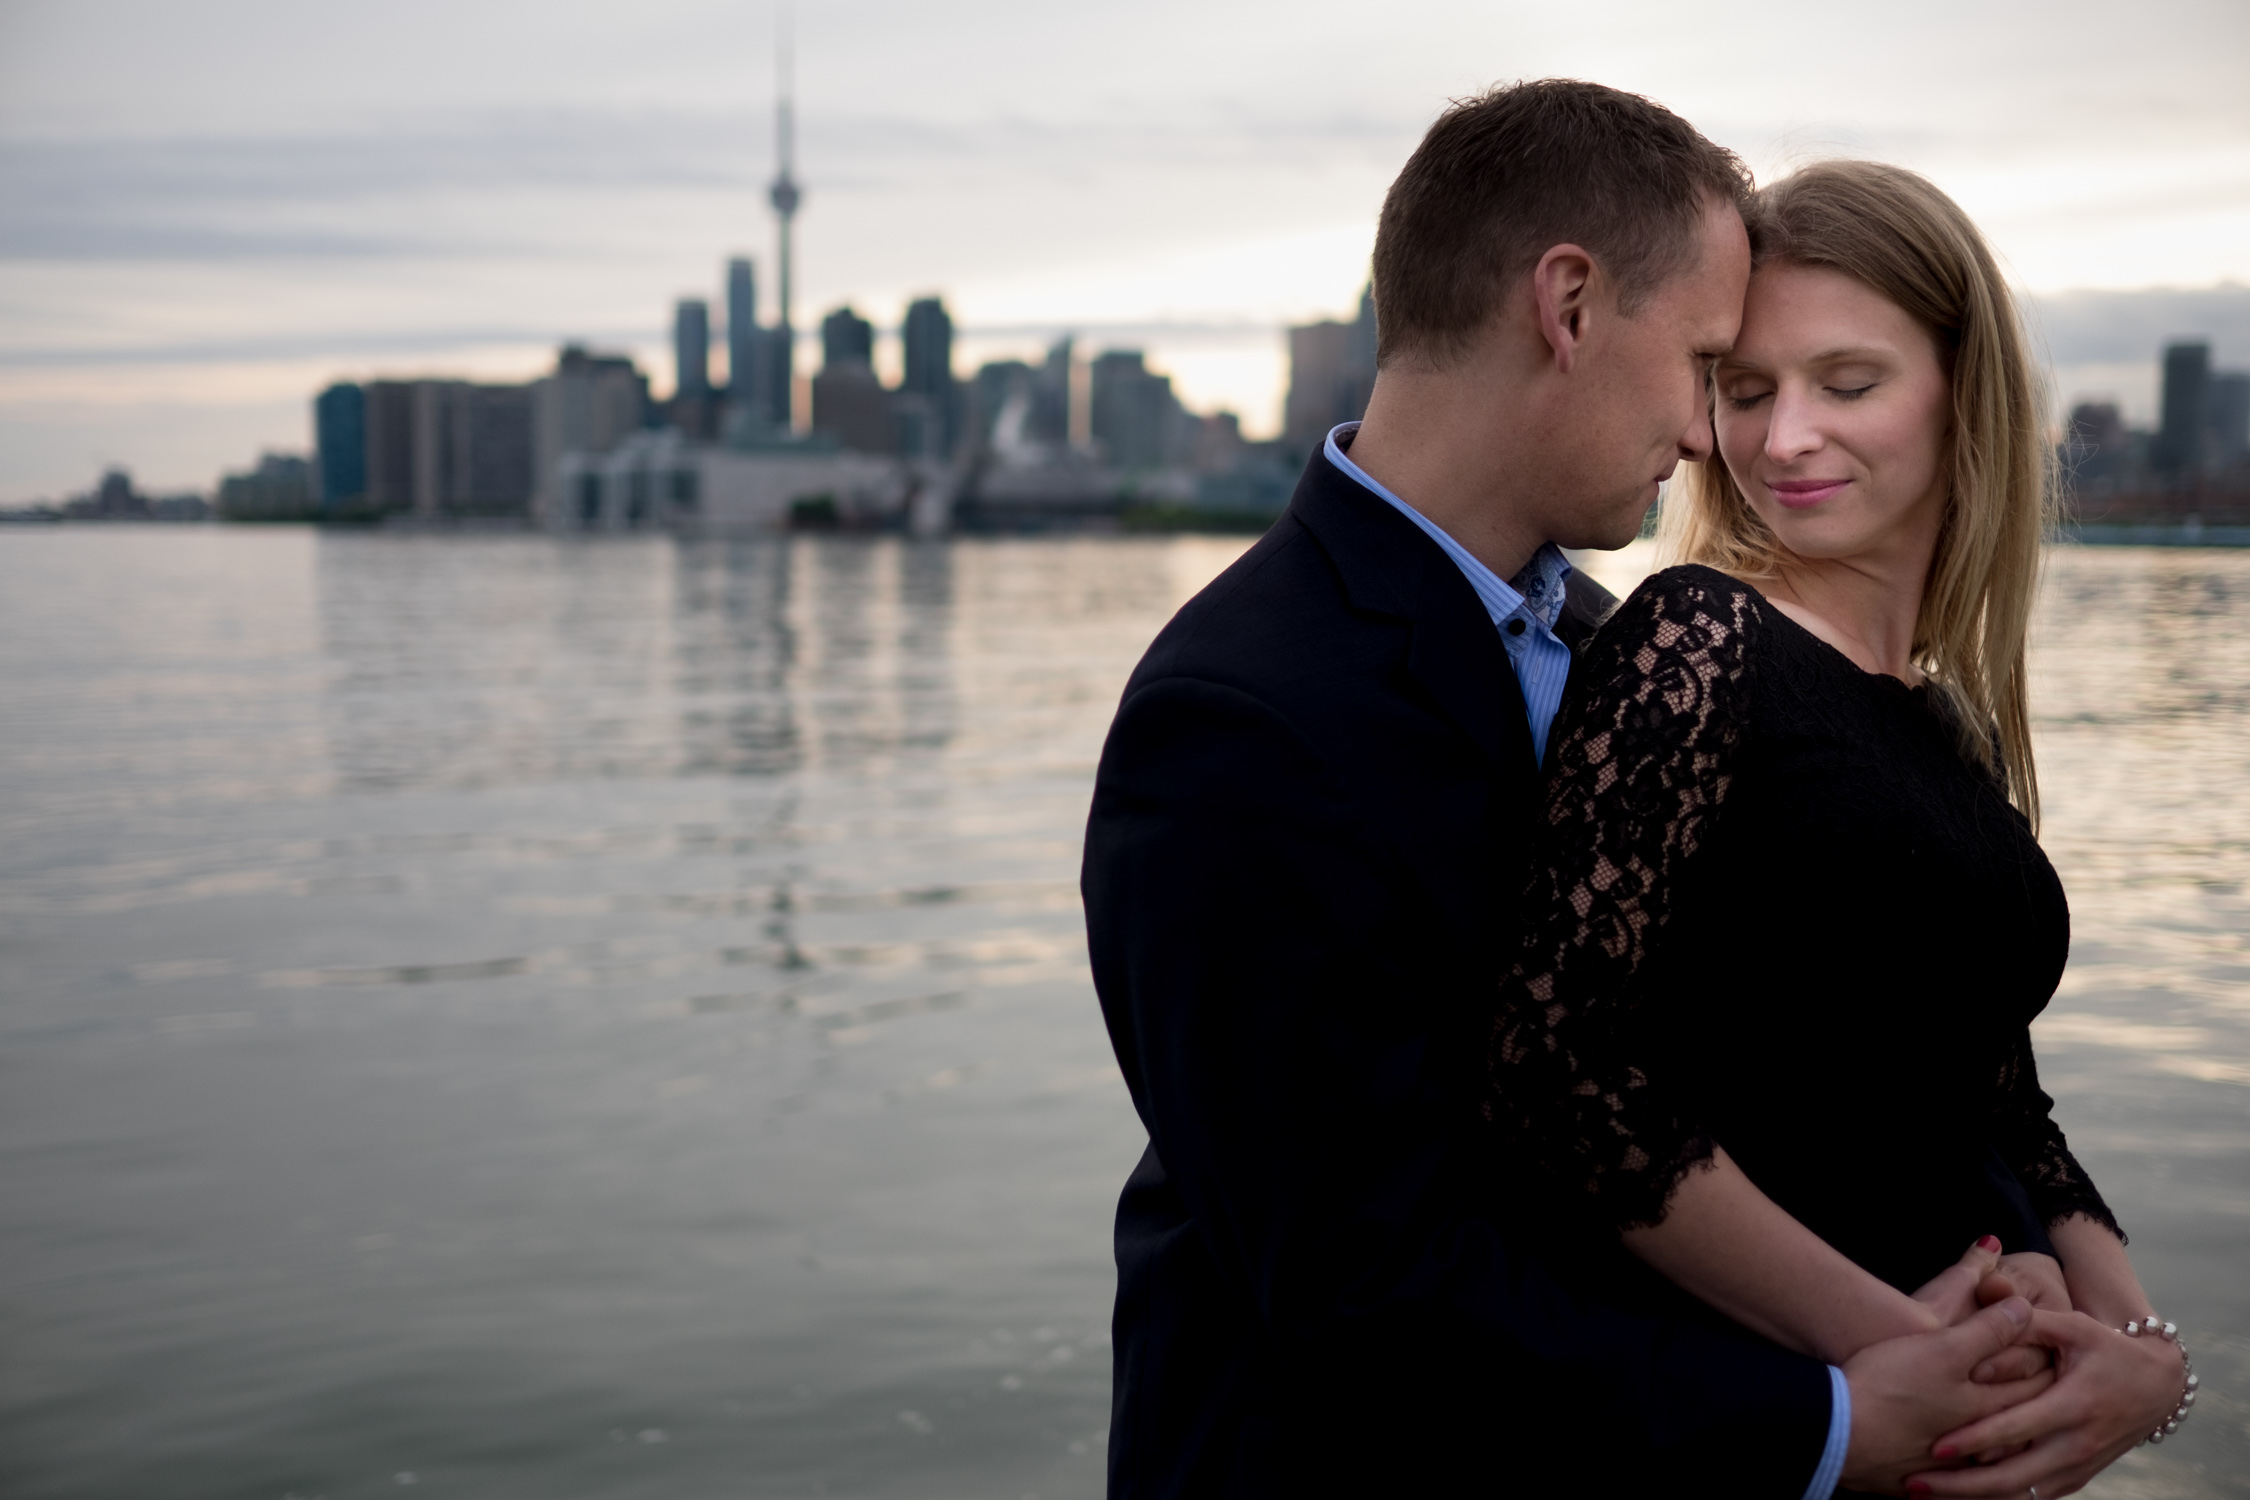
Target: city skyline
{"type": "Point", "coordinates": [261, 202]}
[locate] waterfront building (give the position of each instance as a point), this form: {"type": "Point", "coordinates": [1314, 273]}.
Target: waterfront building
{"type": "Point", "coordinates": [281, 488]}
{"type": "Point", "coordinates": [390, 445]}
{"type": "Point", "coordinates": [2182, 437]}
{"type": "Point", "coordinates": [449, 448]}
{"type": "Point", "coordinates": [340, 443]}
{"type": "Point", "coordinates": [1331, 375]}
{"type": "Point", "coordinates": [590, 404]}
{"type": "Point", "coordinates": [661, 480]}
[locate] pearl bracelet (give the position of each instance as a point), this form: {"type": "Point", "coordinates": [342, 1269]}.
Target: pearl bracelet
{"type": "Point", "coordinates": [2171, 1333]}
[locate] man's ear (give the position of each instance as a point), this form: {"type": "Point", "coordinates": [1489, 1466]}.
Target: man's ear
{"type": "Point", "coordinates": [1562, 290]}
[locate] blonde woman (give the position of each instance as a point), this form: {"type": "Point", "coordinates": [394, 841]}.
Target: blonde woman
{"type": "Point", "coordinates": [1772, 1035]}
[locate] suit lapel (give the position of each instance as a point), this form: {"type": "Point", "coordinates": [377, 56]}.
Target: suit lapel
{"type": "Point", "coordinates": [1389, 567]}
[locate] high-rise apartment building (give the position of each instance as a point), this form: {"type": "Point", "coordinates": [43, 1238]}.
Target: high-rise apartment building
{"type": "Point", "coordinates": [472, 449]}
{"type": "Point", "coordinates": [390, 445]}
{"type": "Point", "coordinates": [340, 439]}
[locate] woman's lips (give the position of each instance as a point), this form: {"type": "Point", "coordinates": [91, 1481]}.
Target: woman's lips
{"type": "Point", "coordinates": [1800, 494]}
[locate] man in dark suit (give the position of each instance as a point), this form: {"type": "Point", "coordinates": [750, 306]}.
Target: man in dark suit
{"type": "Point", "coordinates": [1307, 833]}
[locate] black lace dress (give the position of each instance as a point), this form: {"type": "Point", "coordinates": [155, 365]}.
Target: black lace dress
{"type": "Point", "coordinates": [1777, 910]}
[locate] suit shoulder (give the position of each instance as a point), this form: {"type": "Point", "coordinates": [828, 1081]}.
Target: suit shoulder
{"type": "Point", "coordinates": [1247, 625]}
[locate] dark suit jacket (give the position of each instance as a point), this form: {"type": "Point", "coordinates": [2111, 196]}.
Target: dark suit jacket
{"type": "Point", "coordinates": [1306, 838]}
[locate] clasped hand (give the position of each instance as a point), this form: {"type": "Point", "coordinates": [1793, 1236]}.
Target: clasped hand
{"type": "Point", "coordinates": [2026, 1391]}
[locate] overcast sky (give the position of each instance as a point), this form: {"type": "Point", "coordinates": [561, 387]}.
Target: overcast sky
{"type": "Point", "coordinates": [207, 210]}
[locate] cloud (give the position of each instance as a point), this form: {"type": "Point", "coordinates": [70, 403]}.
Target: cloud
{"type": "Point", "coordinates": [2113, 327]}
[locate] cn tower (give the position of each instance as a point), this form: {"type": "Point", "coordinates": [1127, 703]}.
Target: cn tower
{"type": "Point", "coordinates": [785, 195]}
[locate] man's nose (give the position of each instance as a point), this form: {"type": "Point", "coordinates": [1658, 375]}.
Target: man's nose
{"type": "Point", "coordinates": [1697, 443]}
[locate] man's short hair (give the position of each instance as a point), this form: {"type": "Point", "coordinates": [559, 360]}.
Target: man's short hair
{"type": "Point", "coordinates": [1504, 177]}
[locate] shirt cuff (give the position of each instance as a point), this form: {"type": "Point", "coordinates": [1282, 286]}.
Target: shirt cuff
{"type": "Point", "coordinates": [1831, 1468]}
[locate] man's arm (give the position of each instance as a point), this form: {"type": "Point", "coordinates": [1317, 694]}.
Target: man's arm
{"type": "Point", "coordinates": [1260, 947]}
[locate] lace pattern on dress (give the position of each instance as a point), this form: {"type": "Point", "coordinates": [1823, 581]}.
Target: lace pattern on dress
{"type": "Point", "coordinates": [2024, 1130]}
{"type": "Point", "coordinates": [1640, 768]}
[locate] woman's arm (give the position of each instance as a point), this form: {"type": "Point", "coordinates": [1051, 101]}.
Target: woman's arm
{"type": "Point", "coordinates": [2087, 1240]}
{"type": "Point", "coordinates": [1641, 768]}
{"type": "Point", "coordinates": [2097, 1271]}
{"type": "Point", "coordinates": [1723, 1240]}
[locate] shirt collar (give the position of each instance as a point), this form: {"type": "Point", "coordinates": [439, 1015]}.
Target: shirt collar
{"type": "Point", "coordinates": [1537, 589]}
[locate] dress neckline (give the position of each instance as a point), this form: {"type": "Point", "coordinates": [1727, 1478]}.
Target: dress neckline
{"type": "Point", "coordinates": [1912, 689]}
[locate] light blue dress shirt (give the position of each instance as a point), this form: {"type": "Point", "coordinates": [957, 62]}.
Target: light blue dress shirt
{"type": "Point", "coordinates": [1525, 609]}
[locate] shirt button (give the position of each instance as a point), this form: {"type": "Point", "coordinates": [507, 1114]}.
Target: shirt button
{"type": "Point", "coordinates": [1515, 627]}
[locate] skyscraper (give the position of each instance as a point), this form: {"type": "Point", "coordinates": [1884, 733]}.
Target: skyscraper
{"type": "Point", "coordinates": [746, 377]}
{"type": "Point", "coordinates": [691, 368]}
{"type": "Point", "coordinates": [849, 403]}
{"type": "Point", "coordinates": [845, 336]}
{"type": "Point", "coordinates": [927, 384]}
{"type": "Point", "coordinates": [691, 348]}
{"type": "Point", "coordinates": [2181, 440]}
{"type": "Point", "coordinates": [340, 438]}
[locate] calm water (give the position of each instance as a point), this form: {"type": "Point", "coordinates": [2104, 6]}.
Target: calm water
{"type": "Point", "coordinates": [489, 1017]}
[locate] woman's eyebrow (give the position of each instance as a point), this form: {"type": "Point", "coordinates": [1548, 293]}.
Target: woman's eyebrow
{"type": "Point", "coordinates": [1851, 352]}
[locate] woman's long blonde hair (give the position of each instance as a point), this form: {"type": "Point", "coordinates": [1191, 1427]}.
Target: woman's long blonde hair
{"type": "Point", "coordinates": [1897, 234]}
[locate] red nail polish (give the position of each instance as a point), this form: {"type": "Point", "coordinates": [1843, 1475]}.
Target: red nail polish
{"type": "Point", "coordinates": [1945, 1451]}
{"type": "Point", "coordinates": [1917, 1487]}
{"type": "Point", "coordinates": [1989, 1242]}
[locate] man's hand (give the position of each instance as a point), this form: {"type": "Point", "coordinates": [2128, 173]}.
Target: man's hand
{"type": "Point", "coordinates": [2110, 1392]}
{"type": "Point", "coordinates": [1907, 1391]}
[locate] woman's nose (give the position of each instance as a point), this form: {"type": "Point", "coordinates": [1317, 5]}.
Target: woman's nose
{"type": "Point", "coordinates": [1792, 432]}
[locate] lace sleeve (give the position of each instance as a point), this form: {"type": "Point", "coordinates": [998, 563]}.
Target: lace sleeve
{"type": "Point", "coordinates": [2029, 1141]}
{"type": "Point", "coordinates": [1640, 769]}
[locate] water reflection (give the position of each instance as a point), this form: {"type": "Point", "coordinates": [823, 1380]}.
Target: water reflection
{"type": "Point", "coordinates": [470, 1003]}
